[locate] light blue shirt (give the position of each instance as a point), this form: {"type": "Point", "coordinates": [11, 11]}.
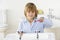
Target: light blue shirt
{"type": "Point", "coordinates": [26, 27]}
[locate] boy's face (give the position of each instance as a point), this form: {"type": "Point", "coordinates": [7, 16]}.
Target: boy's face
{"type": "Point", "coordinates": [30, 15]}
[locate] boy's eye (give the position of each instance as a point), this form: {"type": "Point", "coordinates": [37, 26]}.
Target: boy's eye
{"type": "Point", "coordinates": [30, 12]}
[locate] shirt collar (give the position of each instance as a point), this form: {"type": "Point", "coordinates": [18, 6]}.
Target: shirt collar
{"type": "Point", "coordinates": [27, 20]}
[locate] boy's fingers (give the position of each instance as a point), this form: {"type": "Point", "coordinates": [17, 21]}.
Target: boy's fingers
{"type": "Point", "coordinates": [41, 19]}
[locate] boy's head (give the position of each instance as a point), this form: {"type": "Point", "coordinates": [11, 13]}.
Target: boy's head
{"type": "Point", "coordinates": [30, 10]}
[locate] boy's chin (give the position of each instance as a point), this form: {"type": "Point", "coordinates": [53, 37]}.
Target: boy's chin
{"type": "Point", "coordinates": [30, 18]}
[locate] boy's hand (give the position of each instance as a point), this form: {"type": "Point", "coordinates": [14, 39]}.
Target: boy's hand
{"type": "Point", "coordinates": [41, 19]}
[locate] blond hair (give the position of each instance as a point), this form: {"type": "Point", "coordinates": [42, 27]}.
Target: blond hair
{"type": "Point", "coordinates": [30, 7]}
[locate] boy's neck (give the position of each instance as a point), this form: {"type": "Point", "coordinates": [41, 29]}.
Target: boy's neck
{"type": "Point", "coordinates": [30, 20]}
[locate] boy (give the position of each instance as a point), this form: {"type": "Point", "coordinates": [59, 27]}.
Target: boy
{"type": "Point", "coordinates": [30, 24]}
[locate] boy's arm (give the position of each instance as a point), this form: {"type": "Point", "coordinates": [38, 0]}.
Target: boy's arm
{"type": "Point", "coordinates": [47, 23]}
{"type": "Point", "coordinates": [20, 30]}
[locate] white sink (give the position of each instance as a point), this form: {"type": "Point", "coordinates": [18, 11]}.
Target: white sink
{"type": "Point", "coordinates": [31, 36]}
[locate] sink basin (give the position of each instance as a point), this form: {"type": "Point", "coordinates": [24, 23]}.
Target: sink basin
{"type": "Point", "coordinates": [31, 36]}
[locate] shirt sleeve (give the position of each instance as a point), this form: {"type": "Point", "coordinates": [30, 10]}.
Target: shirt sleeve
{"type": "Point", "coordinates": [20, 26]}
{"type": "Point", "coordinates": [47, 23]}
